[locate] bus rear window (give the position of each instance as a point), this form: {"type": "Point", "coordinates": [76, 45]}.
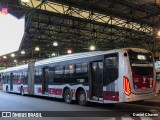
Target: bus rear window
{"type": "Point", "coordinates": [141, 63]}
{"type": "Point", "coordinates": [140, 58]}
{"type": "Point", "coordinates": [142, 70]}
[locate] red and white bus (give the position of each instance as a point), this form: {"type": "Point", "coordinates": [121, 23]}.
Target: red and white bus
{"type": "Point", "coordinates": [120, 75]}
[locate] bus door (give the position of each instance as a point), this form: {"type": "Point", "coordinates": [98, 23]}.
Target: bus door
{"type": "Point", "coordinates": [45, 80]}
{"type": "Point", "coordinates": [11, 81]}
{"type": "Point", "coordinates": [96, 80]}
{"type": "Point", "coordinates": [111, 64]}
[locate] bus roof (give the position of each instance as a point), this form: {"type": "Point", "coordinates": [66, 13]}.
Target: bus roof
{"type": "Point", "coordinates": [15, 68]}
{"type": "Point", "coordinates": [69, 57]}
{"type": "Point", "coordinates": [81, 55]}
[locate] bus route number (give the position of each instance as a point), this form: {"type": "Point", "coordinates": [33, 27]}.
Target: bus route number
{"type": "Point", "coordinates": [80, 80]}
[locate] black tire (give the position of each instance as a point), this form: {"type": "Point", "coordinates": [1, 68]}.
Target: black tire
{"type": "Point", "coordinates": [22, 91]}
{"type": "Point", "coordinates": [67, 96]}
{"type": "Point", "coordinates": [81, 98]}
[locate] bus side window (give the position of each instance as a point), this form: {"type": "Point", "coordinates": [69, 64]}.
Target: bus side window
{"type": "Point", "coordinates": [4, 79]}
{"type": "Point", "coordinates": [158, 76]}
{"type": "Point", "coordinates": [81, 72]}
{"type": "Point", "coordinates": [111, 67]}
{"type": "Point", "coordinates": [8, 77]}
{"type": "Point", "coordinates": [81, 69]}
{"type": "Point", "coordinates": [15, 78]}
{"type": "Point", "coordinates": [51, 74]}
{"type": "Point", "coordinates": [58, 78]}
{"type": "Point", "coordinates": [25, 77]}
{"type": "Point", "coordinates": [78, 69]}
{"type": "Point", "coordinates": [38, 75]}
{"type": "Point", "coordinates": [108, 62]}
{"type": "Point", "coordinates": [69, 70]}
{"type": "Point", "coordinates": [84, 68]}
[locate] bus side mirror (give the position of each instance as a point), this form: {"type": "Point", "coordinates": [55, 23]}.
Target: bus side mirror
{"type": "Point", "coordinates": [125, 54]}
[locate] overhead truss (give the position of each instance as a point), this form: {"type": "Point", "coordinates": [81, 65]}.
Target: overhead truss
{"type": "Point", "coordinates": [107, 24]}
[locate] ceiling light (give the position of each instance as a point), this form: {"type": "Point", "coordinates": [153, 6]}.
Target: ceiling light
{"type": "Point", "coordinates": [55, 43]}
{"type": "Point", "coordinates": [53, 54]}
{"type": "Point", "coordinates": [15, 61]}
{"type": "Point", "coordinates": [37, 48]}
{"type": "Point", "coordinates": [12, 55]}
{"type": "Point", "coordinates": [92, 47]}
{"type": "Point", "coordinates": [4, 57]}
{"type": "Point", "coordinates": [69, 51]}
{"type": "Point", "coordinates": [158, 33]}
{"type": "Point", "coordinates": [23, 52]}
{"type": "Point", "coordinates": [25, 0]}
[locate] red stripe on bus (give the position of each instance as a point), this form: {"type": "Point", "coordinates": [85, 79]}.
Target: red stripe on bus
{"type": "Point", "coordinates": [39, 90]}
{"type": "Point", "coordinates": [18, 88]}
{"type": "Point", "coordinates": [25, 89]}
{"type": "Point", "coordinates": [55, 91]}
{"type": "Point", "coordinates": [111, 95]}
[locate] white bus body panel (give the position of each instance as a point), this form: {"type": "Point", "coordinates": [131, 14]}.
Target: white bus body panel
{"type": "Point", "coordinates": [124, 70]}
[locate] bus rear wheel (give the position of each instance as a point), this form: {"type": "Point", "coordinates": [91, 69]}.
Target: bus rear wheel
{"type": "Point", "coordinates": [67, 96]}
{"type": "Point", "coordinates": [82, 98]}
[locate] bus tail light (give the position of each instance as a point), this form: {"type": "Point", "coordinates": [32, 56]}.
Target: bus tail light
{"type": "Point", "coordinates": [126, 86]}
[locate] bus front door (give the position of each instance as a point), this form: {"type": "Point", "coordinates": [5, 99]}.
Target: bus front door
{"type": "Point", "coordinates": [11, 81]}
{"type": "Point", "coordinates": [96, 80]}
{"type": "Point", "coordinates": [45, 81]}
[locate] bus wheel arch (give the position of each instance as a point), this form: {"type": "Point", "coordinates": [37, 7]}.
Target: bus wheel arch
{"type": "Point", "coordinates": [81, 96]}
{"type": "Point", "coordinates": [67, 96]}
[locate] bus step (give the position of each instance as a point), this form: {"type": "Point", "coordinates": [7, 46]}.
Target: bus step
{"type": "Point", "coordinates": [45, 93]}
{"type": "Point", "coordinates": [94, 98]}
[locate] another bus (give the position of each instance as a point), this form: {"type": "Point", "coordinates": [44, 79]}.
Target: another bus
{"type": "Point", "coordinates": [120, 75]}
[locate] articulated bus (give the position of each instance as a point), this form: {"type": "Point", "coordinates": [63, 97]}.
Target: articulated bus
{"type": "Point", "coordinates": [120, 75]}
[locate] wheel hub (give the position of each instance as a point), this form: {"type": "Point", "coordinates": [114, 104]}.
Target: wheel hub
{"type": "Point", "coordinates": [82, 97]}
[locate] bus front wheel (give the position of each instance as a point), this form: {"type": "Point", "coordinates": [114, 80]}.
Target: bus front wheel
{"type": "Point", "coordinates": [82, 98]}
{"type": "Point", "coordinates": [67, 96]}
